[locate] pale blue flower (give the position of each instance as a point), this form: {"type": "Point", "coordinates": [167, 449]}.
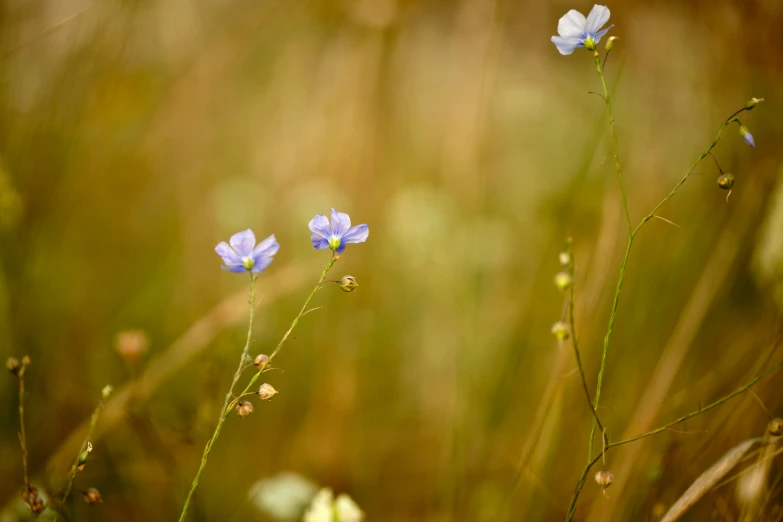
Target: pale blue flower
{"type": "Point", "coordinates": [243, 255]}
{"type": "Point", "coordinates": [747, 136]}
{"type": "Point", "coordinates": [577, 31]}
{"type": "Point", "coordinates": [338, 234]}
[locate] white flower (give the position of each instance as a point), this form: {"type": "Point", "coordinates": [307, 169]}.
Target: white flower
{"type": "Point", "coordinates": [577, 31]}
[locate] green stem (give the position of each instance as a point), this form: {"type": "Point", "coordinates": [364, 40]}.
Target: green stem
{"type": "Point", "coordinates": [22, 431]}
{"type": "Point", "coordinates": [738, 391]}
{"type": "Point", "coordinates": [82, 449]}
{"type": "Point", "coordinates": [226, 401]}
{"type": "Point", "coordinates": [229, 402]}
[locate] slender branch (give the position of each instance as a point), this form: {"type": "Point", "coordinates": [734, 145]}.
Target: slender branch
{"type": "Point", "coordinates": [574, 341]}
{"type": "Point", "coordinates": [229, 397]}
{"type": "Point", "coordinates": [84, 449]}
{"type": "Point", "coordinates": [230, 401]}
{"type": "Point", "coordinates": [739, 391]}
{"type": "Point", "coordinates": [22, 431]}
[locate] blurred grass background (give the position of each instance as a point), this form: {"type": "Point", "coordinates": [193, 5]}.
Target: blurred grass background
{"type": "Point", "coordinates": [136, 135]}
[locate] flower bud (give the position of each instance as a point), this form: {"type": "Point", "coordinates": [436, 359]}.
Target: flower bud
{"type": "Point", "coordinates": [106, 392]}
{"type": "Point", "coordinates": [266, 392]}
{"type": "Point", "coordinates": [244, 409]}
{"type": "Point", "coordinates": [747, 136]}
{"type": "Point", "coordinates": [604, 478]}
{"type": "Point", "coordinates": [775, 427]}
{"type": "Point", "coordinates": [563, 280]}
{"type": "Point", "coordinates": [561, 330]}
{"type": "Point", "coordinates": [348, 283]}
{"type": "Point", "coordinates": [753, 102]}
{"type": "Point", "coordinates": [610, 43]}
{"type": "Point", "coordinates": [83, 456]}
{"type": "Point", "coordinates": [565, 258]}
{"type": "Point", "coordinates": [726, 181]}
{"type": "Point", "coordinates": [13, 365]}
{"type": "Point", "coordinates": [261, 360]}
{"type": "Point", "coordinates": [93, 496]}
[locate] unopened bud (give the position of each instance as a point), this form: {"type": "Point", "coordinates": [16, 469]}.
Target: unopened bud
{"type": "Point", "coordinates": [261, 360]}
{"type": "Point", "coordinates": [726, 181]}
{"type": "Point", "coordinates": [610, 43]}
{"type": "Point", "coordinates": [244, 409]}
{"type": "Point", "coordinates": [93, 496]}
{"type": "Point", "coordinates": [106, 392]}
{"type": "Point", "coordinates": [753, 102]}
{"type": "Point", "coordinates": [563, 280]}
{"type": "Point", "coordinates": [604, 478]}
{"type": "Point", "coordinates": [348, 283]}
{"type": "Point", "coordinates": [747, 136]}
{"type": "Point", "coordinates": [775, 427]}
{"type": "Point", "coordinates": [266, 392]}
{"type": "Point", "coordinates": [561, 330]}
{"type": "Point", "coordinates": [13, 365]}
{"type": "Point", "coordinates": [83, 456]}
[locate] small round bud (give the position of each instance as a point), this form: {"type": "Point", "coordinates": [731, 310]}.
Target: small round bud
{"type": "Point", "coordinates": [93, 496]}
{"type": "Point", "coordinates": [775, 427]}
{"type": "Point", "coordinates": [13, 365]}
{"type": "Point", "coordinates": [604, 478]}
{"type": "Point", "coordinates": [106, 392]}
{"type": "Point", "coordinates": [266, 392]}
{"type": "Point", "coordinates": [348, 283]}
{"type": "Point", "coordinates": [726, 181]}
{"type": "Point", "coordinates": [561, 330]}
{"type": "Point", "coordinates": [753, 102]}
{"type": "Point", "coordinates": [261, 360]}
{"type": "Point", "coordinates": [26, 360]}
{"type": "Point", "coordinates": [610, 43]}
{"type": "Point", "coordinates": [565, 258]}
{"type": "Point", "coordinates": [563, 280]}
{"type": "Point", "coordinates": [244, 409]}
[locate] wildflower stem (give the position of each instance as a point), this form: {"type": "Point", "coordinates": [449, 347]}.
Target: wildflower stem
{"type": "Point", "coordinates": [229, 402]}
{"type": "Point", "coordinates": [742, 389]}
{"type": "Point", "coordinates": [82, 449]}
{"type": "Point", "coordinates": [574, 341]}
{"type": "Point", "coordinates": [229, 397]}
{"type": "Point", "coordinates": [22, 431]}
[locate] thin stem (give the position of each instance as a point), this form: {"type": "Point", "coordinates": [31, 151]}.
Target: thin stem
{"type": "Point", "coordinates": [227, 400]}
{"type": "Point", "coordinates": [22, 431]}
{"type": "Point", "coordinates": [78, 462]}
{"type": "Point", "coordinates": [586, 470]}
{"type": "Point", "coordinates": [286, 336]}
{"type": "Point", "coordinates": [574, 341]}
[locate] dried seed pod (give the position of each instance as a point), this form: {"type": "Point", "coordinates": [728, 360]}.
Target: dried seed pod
{"type": "Point", "coordinates": [726, 181]}
{"type": "Point", "coordinates": [348, 283]}
{"type": "Point", "coordinates": [561, 330]}
{"type": "Point", "coordinates": [604, 478]}
{"type": "Point", "coordinates": [244, 409]}
{"type": "Point", "coordinates": [93, 496]}
{"type": "Point", "coordinates": [775, 427]}
{"type": "Point", "coordinates": [261, 360]}
{"type": "Point", "coordinates": [266, 392]}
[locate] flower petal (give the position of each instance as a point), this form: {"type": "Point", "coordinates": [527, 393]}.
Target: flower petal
{"type": "Point", "coordinates": [572, 25]}
{"type": "Point", "coordinates": [261, 263]}
{"type": "Point", "coordinates": [748, 137]}
{"type": "Point", "coordinates": [567, 45]}
{"type": "Point", "coordinates": [228, 254]}
{"type": "Point", "coordinates": [357, 234]}
{"type": "Point", "coordinates": [320, 225]}
{"type": "Point", "coordinates": [597, 18]}
{"type": "Point", "coordinates": [266, 248]}
{"type": "Point", "coordinates": [243, 242]}
{"type": "Point", "coordinates": [236, 268]}
{"type": "Point", "coordinates": [600, 34]}
{"type": "Point", "coordinates": [319, 242]}
{"type": "Point", "coordinates": [341, 222]}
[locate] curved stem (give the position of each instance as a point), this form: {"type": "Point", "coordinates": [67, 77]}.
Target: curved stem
{"type": "Point", "coordinates": [224, 409]}
{"type": "Point", "coordinates": [583, 477]}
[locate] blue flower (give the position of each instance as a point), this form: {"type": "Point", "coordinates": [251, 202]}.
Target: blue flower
{"type": "Point", "coordinates": [577, 31]}
{"type": "Point", "coordinates": [338, 234]}
{"type": "Point", "coordinates": [747, 136]}
{"type": "Point", "coordinates": [243, 255]}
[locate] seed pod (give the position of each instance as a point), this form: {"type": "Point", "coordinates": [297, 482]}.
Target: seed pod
{"type": "Point", "coordinates": [775, 427]}
{"type": "Point", "coordinates": [563, 280]}
{"type": "Point", "coordinates": [565, 258]}
{"type": "Point", "coordinates": [261, 360]}
{"type": "Point", "coordinates": [106, 391]}
{"type": "Point", "coordinates": [13, 365]}
{"type": "Point", "coordinates": [348, 283]}
{"type": "Point", "coordinates": [726, 181]}
{"type": "Point", "coordinates": [266, 392]}
{"type": "Point", "coordinates": [561, 330]}
{"type": "Point", "coordinates": [244, 409]}
{"type": "Point", "coordinates": [604, 478]}
{"type": "Point", "coordinates": [93, 496]}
